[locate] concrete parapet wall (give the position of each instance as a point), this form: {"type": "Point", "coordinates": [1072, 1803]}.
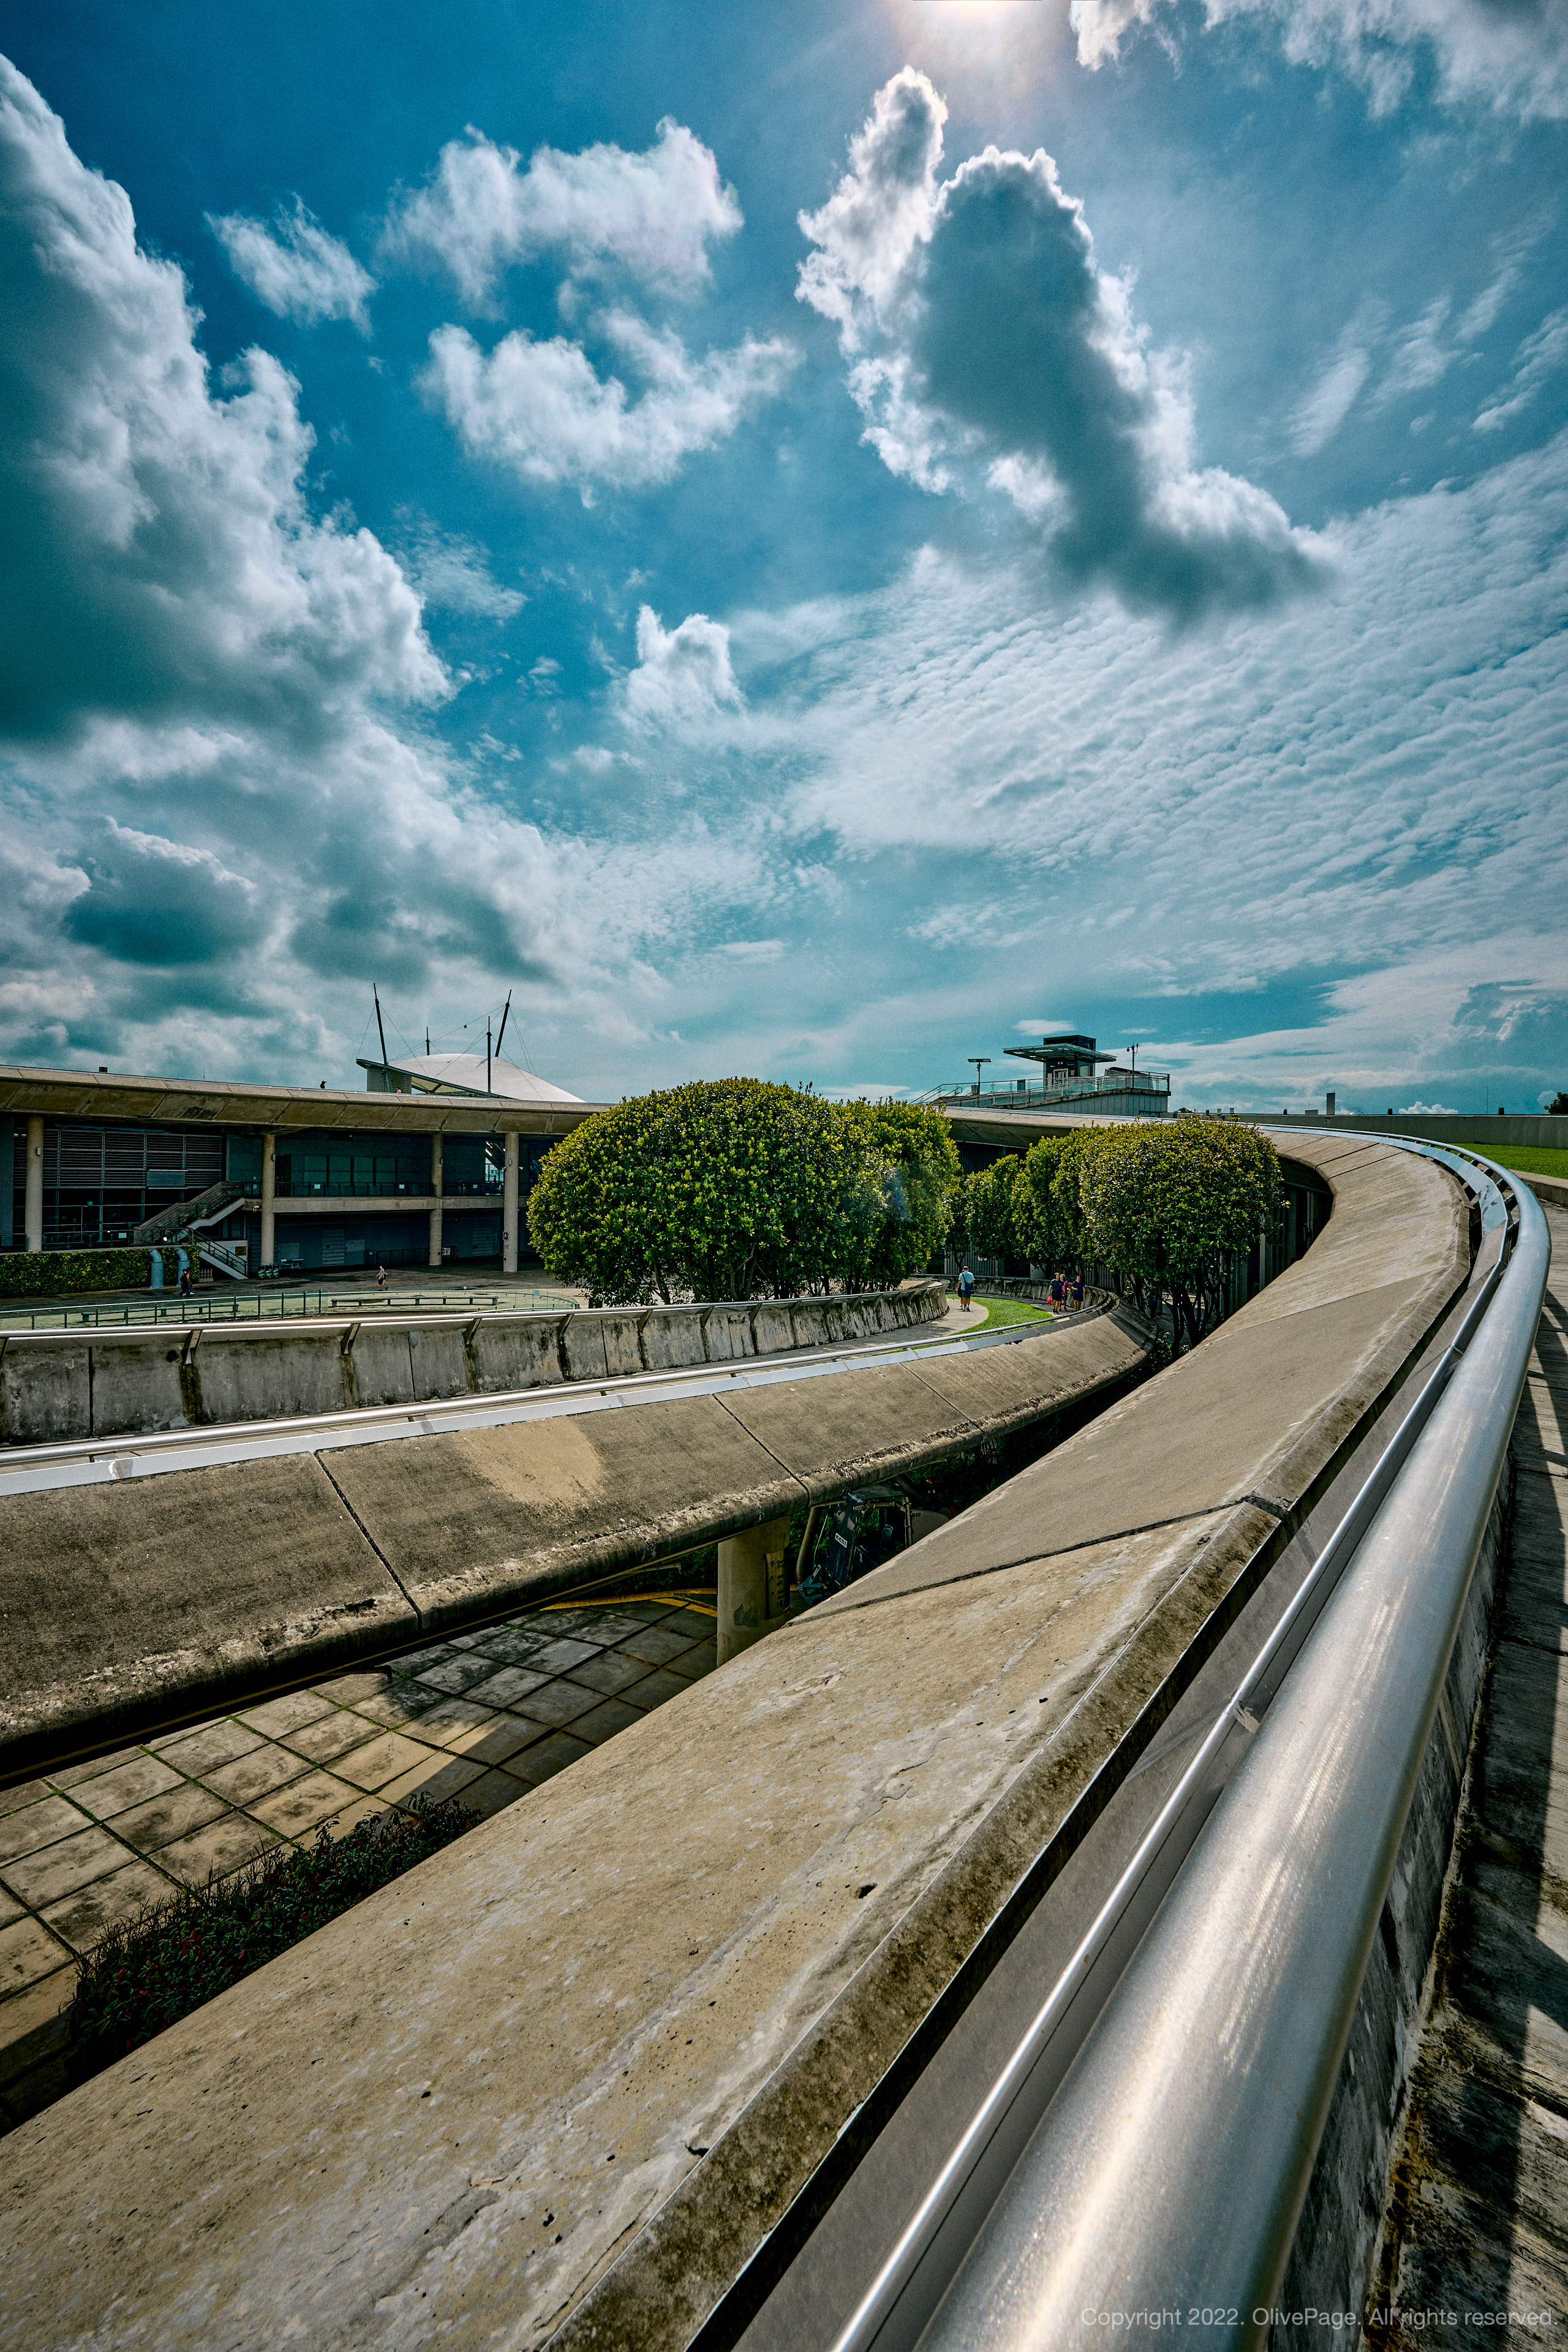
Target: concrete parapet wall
{"type": "Point", "coordinates": [60, 1385]}
{"type": "Point", "coordinates": [648, 2001]}
{"type": "Point", "coordinates": [132, 1603]}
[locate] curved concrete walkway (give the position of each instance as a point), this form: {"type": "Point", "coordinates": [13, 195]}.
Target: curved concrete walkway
{"type": "Point", "coordinates": [561, 2081]}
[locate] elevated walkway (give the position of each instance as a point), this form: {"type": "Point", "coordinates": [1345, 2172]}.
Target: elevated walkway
{"type": "Point", "coordinates": [565, 2080]}
{"type": "Point", "coordinates": [1478, 2221]}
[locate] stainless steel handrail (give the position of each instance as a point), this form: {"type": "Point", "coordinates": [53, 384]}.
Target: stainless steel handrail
{"type": "Point", "coordinates": [1168, 2171]}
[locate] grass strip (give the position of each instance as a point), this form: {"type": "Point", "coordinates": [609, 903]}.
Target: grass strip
{"type": "Point", "coordinates": [175, 1954]}
{"type": "Point", "coordinates": [1530, 1159]}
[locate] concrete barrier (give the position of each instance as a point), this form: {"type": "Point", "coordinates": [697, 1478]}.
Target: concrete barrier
{"type": "Point", "coordinates": [465, 1525]}
{"type": "Point", "coordinates": [648, 2002]}
{"type": "Point", "coordinates": [60, 1385]}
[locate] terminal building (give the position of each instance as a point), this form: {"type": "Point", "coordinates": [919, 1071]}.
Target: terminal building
{"type": "Point", "coordinates": [425, 1168]}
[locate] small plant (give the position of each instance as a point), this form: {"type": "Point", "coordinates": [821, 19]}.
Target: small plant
{"type": "Point", "coordinates": [174, 1955]}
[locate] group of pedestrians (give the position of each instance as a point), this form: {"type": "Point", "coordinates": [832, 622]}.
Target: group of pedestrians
{"type": "Point", "coordinates": [1064, 1292]}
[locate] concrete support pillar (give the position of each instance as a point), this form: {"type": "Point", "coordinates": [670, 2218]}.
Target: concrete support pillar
{"type": "Point", "coordinates": [436, 1182]}
{"type": "Point", "coordinates": [34, 1208]}
{"type": "Point", "coordinates": [752, 1596]}
{"type": "Point", "coordinates": [509, 1226]}
{"type": "Point", "coordinates": [268, 1197]}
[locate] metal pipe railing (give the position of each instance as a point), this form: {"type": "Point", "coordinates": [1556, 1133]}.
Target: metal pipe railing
{"type": "Point", "coordinates": [1169, 2169]}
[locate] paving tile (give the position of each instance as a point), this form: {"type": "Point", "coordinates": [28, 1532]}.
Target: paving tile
{"type": "Point", "coordinates": [603, 1722]}
{"type": "Point", "coordinates": [294, 1811]}
{"type": "Point", "coordinates": [363, 1809]}
{"type": "Point", "coordinates": [60, 1869]}
{"type": "Point", "coordinates": [255, 1775]}
{"type": "Point", "coordinates": [467, 1640]}
{"type": "Point", "coordinates": [27, 1793]}
{"type": "Point", "coordinates": [546, 1757]}
{"type": "Point", "coordinates": [329, 1736]}
{"type": "Point", "coordinates": [514, 1645]}
{"type": "Point", "coordinates": [347, 1690]}
{"type": "Point", "coordinates": [657, 1685]}
{"type": "Point", "coordinates": [71, 1775]}
{"type": "Point", "coordinates": [31, 2025]}
{"type": "Point", "coordinates": [612, 1673]}
{"type": "Point", "coordinates": [492, 1743]}
{"type": "Point", "coordinates": [285, 1714]}
{"type": "Point", "coordinates": [44, 1824]}
{"type": "Point", "coordinates": [557, 1703]}
{"type": "Point", "coordinates": [696, 1624]}
{"type": "Point", "coordinates": [437, 1777]}
{"type": "Point", "coordinates": [380, 1760]}
{"type": "Point", "coordinates": [492, 1791]}
{"type": "Point", "coordinates": [216, 1851]}
{"type": "Point", "coordinates": [163, 1819]}
{"type": "Point", "coordinates": [200, 1752]}
{"type": "Point", "coordinates": [450, 1720]}
{"type": "Point", "coordinates": [454, 1675]}
{"type": "Point", "coordinates": [695, 1664]}
{"type": "Point", "coordinates": [28, 1952]}
{"type": "Point", "coordinates": [82, 1917]}
{"type": "Point", "coordinates": [401, 1704]}
{"type": "Point", "coordinates": [655, 1645]}
{"type": "Point", "coordinates": [11, 1909]}
{"type": "Point", "coordinates": [602, 1625]}
{"type": "Point", "coordinates": [646, 1612]}
{"type": "Point", "coordinates": [127, 1785]}
{"type": "Point", "coordinates": [506, 1688]}
{"type": "Point", "coordinates": [414, 1662]}
{"type": "Point", "coordinates": [559, 1657]}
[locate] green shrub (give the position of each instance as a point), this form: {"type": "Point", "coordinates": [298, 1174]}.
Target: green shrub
{"type": "Point", "coordinates": [733, 1188]}
{"type": "Point", "coordinates": [1169, 1202]}
{"type": "Point", "coordinates": [988, 1210]}
{"type": "Point", "coordinates": [173, 1955]}
{"type": "Point", "coordinates": [52, 1274]}
{"type": "Point", "coordinates": [910, 1176]}
{"type": "Point", "coordinates": [1041, 1224]}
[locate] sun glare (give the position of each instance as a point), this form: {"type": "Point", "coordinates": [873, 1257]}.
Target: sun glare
{"type": "Point", "coordinates": [994, 48]}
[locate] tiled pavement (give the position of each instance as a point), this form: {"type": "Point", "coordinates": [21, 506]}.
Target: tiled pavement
{"type": "Point", "coordinates": [485, 1717]}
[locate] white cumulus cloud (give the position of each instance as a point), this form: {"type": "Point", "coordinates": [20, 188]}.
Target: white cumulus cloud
{"type": "Point", "coordinates": [653, 215]}
{"type": "Point", "coordinates": [682, 673]}
{"type": "Point", "coordinates": [980, 332]}
{"type": "Point", "coordinates": [296, 266]}
{"type": "Point", "coordinates": [1514, 59]}
{"type": "Point", "coordinates": [543, 411]}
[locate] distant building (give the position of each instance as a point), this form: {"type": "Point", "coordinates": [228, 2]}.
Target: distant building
{"type": "Point", "coordinates": [1074, 1076]}
{"type": "Point", "coordinates": [427, 1170]}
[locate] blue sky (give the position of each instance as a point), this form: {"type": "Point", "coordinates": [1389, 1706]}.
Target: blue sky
{"type": "Point", "coordinates": [812, 543]}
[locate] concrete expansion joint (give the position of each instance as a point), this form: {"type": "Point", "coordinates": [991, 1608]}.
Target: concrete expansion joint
{"type": "Point", "coordinates": [337, 1489]}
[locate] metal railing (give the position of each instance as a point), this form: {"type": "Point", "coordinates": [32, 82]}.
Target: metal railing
{"type": "Point", "coordinates": [1208, 2008]}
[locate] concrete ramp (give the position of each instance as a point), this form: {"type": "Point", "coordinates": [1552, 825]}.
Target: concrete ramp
{"type": "Point", "coordinates": [559, 2082]}
{"type": "Point", "coordinates": [142, 1590]}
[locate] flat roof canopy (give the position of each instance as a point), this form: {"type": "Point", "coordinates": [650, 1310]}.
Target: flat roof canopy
{"type": "Point", "coordinates": [1066, 1048]}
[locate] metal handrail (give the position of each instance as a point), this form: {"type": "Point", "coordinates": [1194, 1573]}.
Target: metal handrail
{"type": "Point", "coordinates": [1149, 2186]}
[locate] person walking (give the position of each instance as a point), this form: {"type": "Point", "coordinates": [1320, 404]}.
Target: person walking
{"type": "Point", "coordinates": [380, 1276]}
{"type": "Point", "coordinates": [965, 1288]}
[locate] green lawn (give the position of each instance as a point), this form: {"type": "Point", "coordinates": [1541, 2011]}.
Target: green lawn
{"type": "Point", "coordinates": [1011, 1310]}
{"type": "Point", "coordinates": [1530, 1159]}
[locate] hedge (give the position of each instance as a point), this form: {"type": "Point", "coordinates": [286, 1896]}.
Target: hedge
{"type": "Point", "coordinates": [153, 1969]}
{"type": "Point", "coordinates": [49, 1274]}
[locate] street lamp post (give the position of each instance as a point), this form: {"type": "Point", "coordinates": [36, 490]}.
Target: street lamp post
{"type": "Point", "coordinates": [979, 1060]}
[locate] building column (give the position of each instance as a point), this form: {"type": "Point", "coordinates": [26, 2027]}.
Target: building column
{"type": "Point", "coordinates": [752, 1596]}
{"type": "Point", "coordinates": [268, 1196]}
{"type": "Point", "coordinates": [35, 1214]}
{"type": "Point", "coordinates": [509, 1207]}
{"type": "Point", "coordinates": [436, 1182]}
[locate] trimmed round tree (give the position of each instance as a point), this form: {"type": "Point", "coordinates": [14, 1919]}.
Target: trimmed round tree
{"type": "Point", "coordinates": [1169, 1202]}
{"type": "Point", "coordinates": [727, 1188]}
